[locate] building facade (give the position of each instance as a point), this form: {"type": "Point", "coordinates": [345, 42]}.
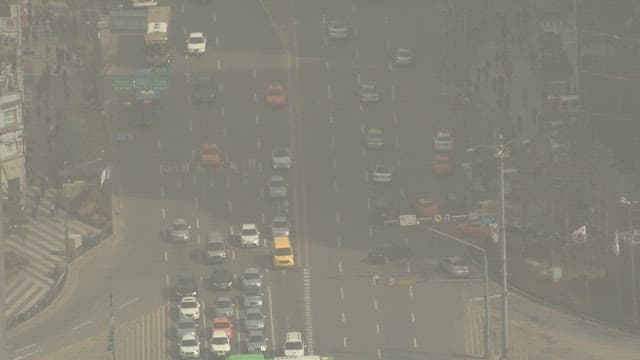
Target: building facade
{"type": "Point", "coordinates": [12, 155]}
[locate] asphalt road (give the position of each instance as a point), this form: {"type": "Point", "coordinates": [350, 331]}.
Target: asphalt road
{"type": "Point", "coordinates": [157, 178]}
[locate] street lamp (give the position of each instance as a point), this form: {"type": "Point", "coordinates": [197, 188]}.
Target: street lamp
{"type": "Point", "coordinates": [629, 203]}
{"type": "Point", "coordinates": [502, 152]}
{"type": "Point", "coordinates": [485, 265]}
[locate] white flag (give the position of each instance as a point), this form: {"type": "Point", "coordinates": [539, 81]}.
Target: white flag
{"type": "Point", "coordinates": [615, 248]}
{"type": "Point", "coordinates": [580, 233]}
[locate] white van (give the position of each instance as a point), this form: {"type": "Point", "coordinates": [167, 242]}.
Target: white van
{"type": "Point", "coordinates": [293, 344]}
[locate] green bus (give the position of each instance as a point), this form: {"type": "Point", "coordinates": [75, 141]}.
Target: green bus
{"type": "Point", "coordinates": [259, 356]}
{"type": "Point", "coordinates": [256, 356]}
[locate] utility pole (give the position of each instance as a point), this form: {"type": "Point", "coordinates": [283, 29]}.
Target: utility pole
{"type": "Point", "coordinates": [111, 342]}
{"type": "Point", "coordinates": [505, 291]}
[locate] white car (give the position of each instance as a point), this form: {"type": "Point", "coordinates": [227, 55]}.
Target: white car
{"type": "Point", "coordinates": [189, 307]}
{"type": "Point", "coordinates": [403, 57]}
{"type": "Point", "coordinates": [220, 344]}
{"type": "Point", "coordinates": [294, 345]}
{"type": "Point", "coordinates": [338, 30]}
{"type": "Point", "coordinates": [368, 93]}
{"type": "Point", "coordinates": [197, 43]}
{"type": "Point", "coordinates": [374, 139]}
{"type": "Point", "coordinates": [382, 174]}
{"type": "Point", "coordinates": [249, 235]}
{"type": "Point", "coordinates": [281, 158]}
{"type": "Point", "coordinates": [251, 278]}
{"type": "Point", "coordinates": [443, 141]}
{"type": "Point", "coordinates": [189, 346]}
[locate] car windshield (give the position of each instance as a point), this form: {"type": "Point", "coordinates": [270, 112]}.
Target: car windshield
{"type": "Point", "coordinates": [293, 346]}
{"type": "Point", "coordinates": [281, 153]}
{"type": "Point", "coordinates": [254, 316]}
{"type": "Point", "coordinates": [225, 304]}
{"type": "Point", "coordinates": [186, 283]}
{"type": "Point", "coordinates": [338, 25]}
{"type": "Point", "coordinates": [383, 170]}
{"type": "Point", "coordinates": [180, 227]}
{"type": "Point", "coordinates": [277, 182]}
{"type": "Point", "coordinates": [189, 305]}
{"type": "Point", "coordinates": [457, 261]}
{"type": "Point", "coordinates": [274, 92]}
{"type": "Point", "coordinates": [375, 133]}
{"type": "Point", "coordinates": [210, 151]}
{"type": "Point", "coordinates": [219, 341]}
{"type": "Point", "coordinates": [251, 276]}
{"type": "Point", "coordinates": [221, 325]}
{"type": "Point", "coordinates": [253, 293]}
{"type": "Point", "coordinates": [196, 40]}
{"type": "Point", "coordinates": [368, 90]}
{"type": "Point", "coordinates": [215, 246]}
{"type": "Point", "coordinates": [249, 232]}
{"type": "Point", "coordinates": [256, 338]}
{"type": "Point", "coordinates": [280, 224]}
{"type": "Point", "coordinates": [189, 342]}
{"type": "Point", "coordinates": [283, 252]}
{"type": "Point", "coordinates": [444, 138]}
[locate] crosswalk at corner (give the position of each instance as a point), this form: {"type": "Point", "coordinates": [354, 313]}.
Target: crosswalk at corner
{"type": "Point", "coordinates": [144, 338]}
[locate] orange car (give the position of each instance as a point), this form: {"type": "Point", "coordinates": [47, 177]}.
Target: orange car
{"type": "Point", "coordinates": [442, 165]}
{"type": "Point", "coordinates": [222, 323]}
{"type": "Point", "coordinates": [275, 96]}
{"type": "Point", "coordinates": [210, 155]}
{"type": "Point", "coordinates": [474, 229]}
{"type": "Point", "coordinates": [426, 207]}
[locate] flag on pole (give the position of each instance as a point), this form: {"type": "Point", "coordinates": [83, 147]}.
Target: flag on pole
{"type": "Point", "coordinates": [580, 233]}
{"type": "Point", "coordinates": [493, 229]}
{"type": "Point", "coordinates": [615, 248]}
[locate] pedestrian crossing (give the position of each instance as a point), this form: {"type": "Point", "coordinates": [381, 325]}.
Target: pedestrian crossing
{"type": "Point", "coordinates": [144, 338]}
{"type": "Point", "coordinates": [42, 244]}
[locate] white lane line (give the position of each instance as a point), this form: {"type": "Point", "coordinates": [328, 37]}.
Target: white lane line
{"type": "Point", "coordinates": [335, 186]}
{"type": "Point", "coordinates": [219, 64]}
{"type": "Point", "coordinates": [257, 119]}
{"type": "Point", "coordinates": [81, 325]}
{"type": "Point", "coordinates": [326, 65]}
{"type": "Point", "coordinates": [341, 293]}
{"type": "Point", "coordinates": [358, 78]}
{"type": "Point", "coordinates": [413, 317]}
{"type": "Point", "coordinates": [379, 354]}
{"type": "Point", "coordinates": [199, 239]}
{"type": "Point", "coordinates": [378, 328]}
{"type": "Point", "coordinates": [159, 144]}
{"type": "Point", "coordinates": [231, 230]}
{"type": "Point", "coordinates": [415, 343]}
{"type": "Point", "coordinates": [411, 291]}
{"type": "Point", "coordinates": [164, 213]}
{"type": "Point", "coordinates": [329, 92]}
{"type": "Point", "coordinates": [273, 330]}
{"type": "Point", "coordinates": [330, 118]}
{"type": "Point", "coordinates": [344, 341]}
{"type": "Point", "coordinates": [409, 267]}
{"type": "Point", "coordinates": [324, 19]}
{"type": "Point", "coordinates": [255, 100]}
{"type": "Point", "coordinates": [129, 302]}
{"type": "Point", "coordinates": [166, 256]}
{"type": "Point", "coordinates": [198, 223]}
{"type": "Point", "coordinates": [375, 304]}
{"type": "Point", "coordinates": [233, 254]}
{"type": "Point", "coordinates": [339, 266]}
{"type": "Point", "coordinates": [24, 356]}
{"type": "Point", "coordinates": [339, 241]}
{"type": "Point", "coordinates": [217, 42]}
{"type": "Point", "coordinates": [361, 107]}
{"type": "Point", "coordinates": [24, 348]}
{"type": "Point", "coordinates": [262, 217]}
{"type": "Point", "coordinates": [195, 181]}
{"type": "Point", "coordinates": [362, 131]}
{"type": "Point", "coordinates": [343, 318]}
{"type": "Point", "coordinates": [338, 217]}
{"type": "Point", "coordinates": [166, 280]}
{"type": "Point", "coordinates": [307, 309]}
{"type": "Point", "coordinates": [215, 18]}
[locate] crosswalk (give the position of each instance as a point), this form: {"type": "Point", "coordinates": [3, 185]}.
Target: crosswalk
{"type": "Point", "coordinates": [474, 334]}
{"type": "Point", "coordinates": [144, 338]}
{"type": "Point", "coordinates": [42, 244]}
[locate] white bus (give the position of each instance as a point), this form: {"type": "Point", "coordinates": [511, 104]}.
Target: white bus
{"type": "Point", "coordinates": [139, 4]}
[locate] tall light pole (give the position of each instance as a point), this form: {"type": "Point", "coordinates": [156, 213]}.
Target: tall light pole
{"type": "Point", "coordinates": [485, 265]}
{"type": "Point", "coordinates": [634, 297]}
{"type": "Point", "coordinates": [505, 290]}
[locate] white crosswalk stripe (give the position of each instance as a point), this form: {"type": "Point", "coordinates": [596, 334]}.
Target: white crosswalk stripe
{"type": "Point", "coordinates": [42, 244]}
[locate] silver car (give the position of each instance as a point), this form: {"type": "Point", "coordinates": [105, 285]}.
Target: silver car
{"type": "Point", "coordinates": [338, 30]}
{"type": "Point", "coordinates": [381, 174]}
{"type": "Point", "coordinates": [254, 319]}
{"type": "Point", "coordinates": [403, 57]}
{"type": "Point", "coordinates": [252, 278]}
{"type": "Point", "coordinates": [374, 139]}
{"type": "Point", "coordinates": [256, 341]}
{"type": "Point", "coordinates": [455, 267]}
{"type": "Point", "coordinates": [252, 298]}
{"type": "Point", "coordinates": [185, 326]}
{"type": "Point", "coordinates": [281, 158]}
{"type": "Point", "coordinates": [223, 306]}
{"type": "Point", "coordinates": [180, 230]}
{"type": "Point", "coordinates": [368, 93]}
{"type": "Point", "coordinates": [280, 226]}
{"type": "Point", "coordinates": [216, 249]}
{"type": "Point", "coordinates": [277, 187]}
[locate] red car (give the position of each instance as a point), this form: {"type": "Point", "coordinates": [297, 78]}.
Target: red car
{"type": "Point", "coordinates": [475, 229]}
{"type": "Point", "coordinates": [442, 165]}
{"type": "Point", "coordinates": [275, 96]}
{"type": "Point", "coordinates": [210, 155]}
{"type": "Point", "coordinates": [426, 207]}
{"type": "Point", "coordinates": [222, 323]}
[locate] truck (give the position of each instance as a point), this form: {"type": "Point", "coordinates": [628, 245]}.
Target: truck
{"type": "Point", "coordinates": [157, 37]}
{"type": "Point", "coordinates": [139, 4]}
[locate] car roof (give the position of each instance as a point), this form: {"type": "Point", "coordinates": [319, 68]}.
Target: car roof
{"type": "Point", "coordinates": [248, 226]}
{"type": "Point", "coordinates": [256, 333]}
{"type": "Point", "coordinates": [188, 299]}
{"type": "Point", "coordinates": [274, 85]}
{"type": "Point", "coordinates": [280, 149]}
{"type": "Point", "coordinates": [179, 221]}
{"type": "Point", "coordinates": [443, 133]}
{"type": "Point", "coordinates": [280, 218]}
{"type": "Point", "coordinates": [223, 298]}
{"type": "Point", "coordinates": [374, 131]}
{"type": "Point", "coordinates": [219, 334]}
{"type": "Point", "coordinates": [277, 178]}
{"type": "Point", "coordinates": [189, 336]}
{"type": "Point", "coordinates": [219, 319]}
{"type": "Point", "coordinates": [196, 34]}
{"type": "Point", "coordinates": [402, 49]}
{"type": "Point", "coordinates": [252, 270]}
{"type": "Point", "coordinates": [253, 310]}
{"type": "Point", "coordinates": [442, 157]}
{"type": "Point", "coordinates": [281, 242]}
{"type": "Point", "coordinates": [368, 86]}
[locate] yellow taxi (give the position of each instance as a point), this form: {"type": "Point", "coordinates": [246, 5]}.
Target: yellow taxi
{"type": "Point", "coordinates": [282, 252]}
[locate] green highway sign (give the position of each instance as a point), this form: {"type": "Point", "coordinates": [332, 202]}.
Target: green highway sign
{"type": "Point", "coordinates": [160, 70]}
{"type": "Point", "coordinates": [146, 83]}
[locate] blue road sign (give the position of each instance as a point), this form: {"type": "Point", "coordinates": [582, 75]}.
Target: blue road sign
{"type": "Point", "coordinates": [488, 219]}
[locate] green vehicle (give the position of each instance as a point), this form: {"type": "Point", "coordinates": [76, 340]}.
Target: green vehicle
{"type": "Point", "coordinates": [262, 357]}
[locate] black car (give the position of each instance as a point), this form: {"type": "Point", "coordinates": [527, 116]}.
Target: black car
{"type": "Point", "coordinates": [204, 90]}
{"type": "Point", "coordinates": [380, 211]}
{"type": "Point", "coordinates": [222, 279]}
{"type": "Point", "coordinates": [386, 253]}
{"type": "Point", "coordinates": [186, 285]}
